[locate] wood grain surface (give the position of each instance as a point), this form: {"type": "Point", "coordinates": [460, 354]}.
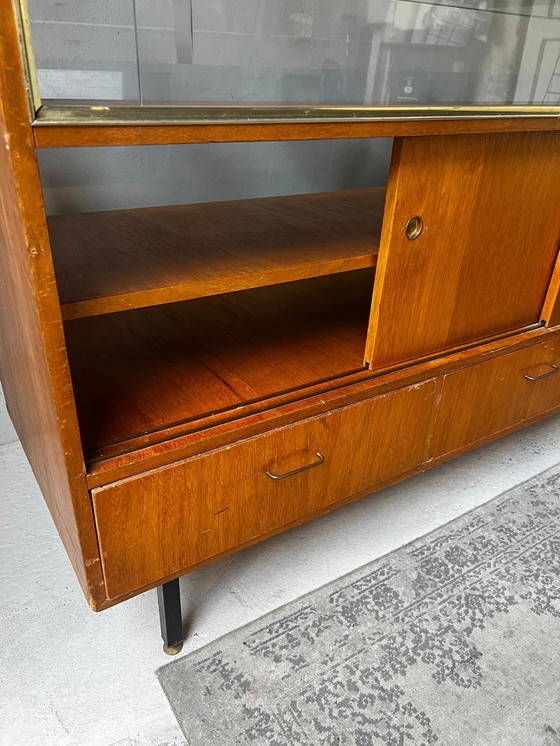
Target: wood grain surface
{"type": "Point", "coordinates": [116, 260]}
{"type": "Point", "coordinates": [33, 363]}
{"type": "Point", "coordinates": [490, 397]}
{"type": "Point", "coordinates": [369, 491]}
{"type": "Point", "coordinates": [139, 371]}
{"type": "Point", "coordinates": [200, 435]}
{"type": "Point", "coordinates": [167, 520]}
{"type": "Point", "coordinates": [491, 211]}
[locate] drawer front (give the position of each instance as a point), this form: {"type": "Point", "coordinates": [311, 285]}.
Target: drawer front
{"type": "Point", "coordinates": [166, 520]}
{"type": "Point", "coordinates": [483, 400]}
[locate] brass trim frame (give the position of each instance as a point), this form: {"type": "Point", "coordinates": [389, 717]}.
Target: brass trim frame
{"type": "Point", "coordinates": [161, 115]}
{"type": "Point", "coordinates": [28, 58]}
{"type": "Point", "coordinates": [114, 114]}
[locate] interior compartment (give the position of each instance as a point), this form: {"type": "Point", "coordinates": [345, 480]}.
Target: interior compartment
{"type": "Point", "coordinates": [138, 372]}
{"type": "Point", "coordinates": [201, 284]}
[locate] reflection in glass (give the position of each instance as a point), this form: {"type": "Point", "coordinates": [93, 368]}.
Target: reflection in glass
{"type": "Point", "coordinates": [316, 52]}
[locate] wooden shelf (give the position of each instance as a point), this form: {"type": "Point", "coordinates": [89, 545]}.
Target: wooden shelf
{"type": "Point", "coordinates": [118, 260]}
{"type": "Point", "coordinates": [148, 369]}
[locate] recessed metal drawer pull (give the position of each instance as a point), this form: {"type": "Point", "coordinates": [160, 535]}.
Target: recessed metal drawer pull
{"type": "Point", "coordinates": [321, 460]}
{"type": "Point", "coordinates": [414, 228]}
{"type": "Point", "coordinates": [555, 369]}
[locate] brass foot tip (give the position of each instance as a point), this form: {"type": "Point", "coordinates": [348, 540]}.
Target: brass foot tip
{"type": "Point", "coordinates": [173, 649]}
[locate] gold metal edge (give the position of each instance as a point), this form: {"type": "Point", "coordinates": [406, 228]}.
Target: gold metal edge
{"type": "Point", "coordinates": [116, 115]}
{"type": "Point", "coordinates": [74, 115]}
{"type": "Point", "coordinates": [71, 115]}
{"type": "Point", "coordinates": [28, 56]}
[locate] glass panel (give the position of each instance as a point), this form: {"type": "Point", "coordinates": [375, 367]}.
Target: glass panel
{"type": "Point", "coordinates": [316, 52]}
{"type": "Point", "coordinates": [85, 49]}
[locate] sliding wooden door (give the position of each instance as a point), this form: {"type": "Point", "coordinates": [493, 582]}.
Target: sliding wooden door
{"type": "Point", "coordinates": [469, 242]}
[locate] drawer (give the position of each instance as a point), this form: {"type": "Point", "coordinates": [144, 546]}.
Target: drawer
{"type": "Point", "coordinates": [169, 519]}
{"type": "Point", "coordinates": [483, 400]}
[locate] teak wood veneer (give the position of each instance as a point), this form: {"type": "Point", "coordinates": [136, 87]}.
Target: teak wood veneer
{"type": "Point", "coordinates": [140, 371]}
{"type": "Point", "coordinates": [165, 254]}
{"type": "Point", "coordinates": [189, 380]}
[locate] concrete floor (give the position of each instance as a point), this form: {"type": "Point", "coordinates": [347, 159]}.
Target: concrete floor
{"type": "Point", "coordinates": [69, 677]}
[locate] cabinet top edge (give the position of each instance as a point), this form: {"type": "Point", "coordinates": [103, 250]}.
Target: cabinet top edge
{"type": "Point", "coordinates": [118, 115]}
{"type": "Point", "coordinates": [94, 126]}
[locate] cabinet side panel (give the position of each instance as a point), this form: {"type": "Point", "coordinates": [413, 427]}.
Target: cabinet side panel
{"type": "Point", "coordinates": [33, 362]}
{"type": "Point", "coordinates": [389, 227]}
{"type": "Point", "coordinates": [551, 308]}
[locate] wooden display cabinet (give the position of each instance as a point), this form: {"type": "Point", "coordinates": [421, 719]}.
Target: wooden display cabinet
{"type": "Point", "coordinates": [274, 358]}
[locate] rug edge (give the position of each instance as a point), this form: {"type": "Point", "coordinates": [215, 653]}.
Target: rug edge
{"type": "Point", "coordinates": [259, 620]}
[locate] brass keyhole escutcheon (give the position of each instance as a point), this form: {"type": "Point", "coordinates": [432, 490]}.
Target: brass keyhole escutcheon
{"type": "Point", "coordinates": [414, 227]}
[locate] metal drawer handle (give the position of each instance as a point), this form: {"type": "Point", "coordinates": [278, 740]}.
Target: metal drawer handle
{"type": "Point", "coordinates": [321, 460]}
{"type": "Point", "coordinates": [555, 369]}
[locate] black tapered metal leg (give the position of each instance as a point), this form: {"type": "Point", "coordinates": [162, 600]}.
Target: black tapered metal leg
{"type": "Point", "coordinates": [170, 618]}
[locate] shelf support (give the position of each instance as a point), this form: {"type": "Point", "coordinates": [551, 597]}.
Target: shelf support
{"type": "Point", "coordinates": [170, 618]}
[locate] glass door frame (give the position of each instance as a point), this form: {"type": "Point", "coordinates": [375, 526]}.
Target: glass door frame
{"type": "Point", "coordinates": [111, 114]}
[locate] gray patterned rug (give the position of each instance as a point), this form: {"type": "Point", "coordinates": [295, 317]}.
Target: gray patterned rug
{"type": "Point", "coordinates": [453, 639]}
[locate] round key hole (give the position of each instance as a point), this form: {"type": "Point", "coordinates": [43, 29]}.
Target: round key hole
{"type": "Point", "coordinates": [414, 228]}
